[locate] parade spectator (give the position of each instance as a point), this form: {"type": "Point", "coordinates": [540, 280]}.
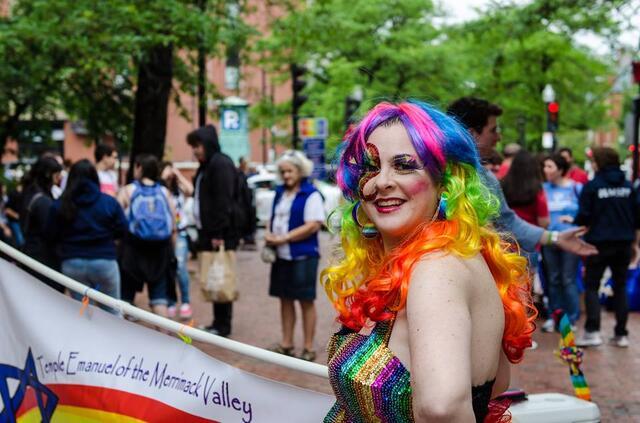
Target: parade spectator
{"type": "Point", "coordinates": [522, 187]}
{"type": "Point", "coordinates": [34, 213]}
{"type": "Point", "coordinates": [423, 316]}
{"type": "Point", "coordinates": [147, 250]}
{"type": "Point", "coordinates": [106, 158]}
{"type": "Point", "coordinates": [59, 182]}
{"type": "Point", "coordinates": [562, 198]}
{"type": "Point", "coordinates": [83, 224]}
{"type": "Point", "coordinates": [215, 184]}
{"type": "Point", "coordinates": [493, 162]}
{"type": "Point", "coordinates": [296, 218]}
{"type": "Point", "coordinates": [12, 211]}
{"type": "Point", "coordinates": [508, 152]}
{"type": "Point", "coordinates": [609, 208]}
{"type": "Point", "coordinates": [574, 173]}
{"type": "Point", "coordinates": [480, 118]}
{"type": "Point", "coordinates": [245, 199]}
{"type": "Point", "coordinates": [181, 189]}
{"type": "Point", "coordinates": [5, 230]}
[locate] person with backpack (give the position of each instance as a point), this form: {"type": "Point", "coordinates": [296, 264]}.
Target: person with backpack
{"type": "Point", "coordinates": [83, 224]}
{"type": "Point", "coordinates": [147, 250]}
{"type": "Point", "coordinates": [216, 209]}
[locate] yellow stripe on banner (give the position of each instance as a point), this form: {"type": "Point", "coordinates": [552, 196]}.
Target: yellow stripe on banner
{"type": "Point", "coordinates": [70, 414]}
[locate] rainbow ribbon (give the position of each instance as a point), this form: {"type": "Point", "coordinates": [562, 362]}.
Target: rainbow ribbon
{"type": "Point", "coordinates": [572, 355]}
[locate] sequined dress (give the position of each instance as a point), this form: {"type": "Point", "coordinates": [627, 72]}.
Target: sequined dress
{"type": "Point", "coordinates": [372, 385]}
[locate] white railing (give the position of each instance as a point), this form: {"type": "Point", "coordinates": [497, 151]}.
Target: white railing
{"type": "Point", "coordinates": [164, 323]}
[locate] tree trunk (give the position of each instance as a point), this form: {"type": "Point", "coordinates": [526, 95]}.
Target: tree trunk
{"type": "Point", "coordinates": [152, 99]}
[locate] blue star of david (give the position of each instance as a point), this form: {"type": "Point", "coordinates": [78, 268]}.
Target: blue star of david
{"type": "Point", "coordinates": [27, 377]}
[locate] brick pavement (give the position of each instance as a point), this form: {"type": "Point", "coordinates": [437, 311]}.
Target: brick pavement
{"type": "Point", "coordinates": [612, 373]}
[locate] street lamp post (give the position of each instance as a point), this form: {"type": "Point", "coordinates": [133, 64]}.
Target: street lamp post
{"type": "Point", "coordinates": [551, 110]}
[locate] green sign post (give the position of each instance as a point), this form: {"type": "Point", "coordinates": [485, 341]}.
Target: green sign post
{"type": "Point", "coordinates": [234, 128]}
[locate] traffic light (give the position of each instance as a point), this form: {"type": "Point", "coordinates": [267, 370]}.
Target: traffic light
{"type": "Point", "coordinates": [297, 86]}
{"type": "Point", "coordinates": [553, 108]}
{"type": "Point", "coordinates": [350, 109]}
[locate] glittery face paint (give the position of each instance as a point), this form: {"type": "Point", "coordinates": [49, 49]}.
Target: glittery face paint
{"type": "Point", "coordinates": [405, 163]}
{"type": "Point", "coordinates": [402, 164]}
{"type": "Point", "coordinates": [370, 169]}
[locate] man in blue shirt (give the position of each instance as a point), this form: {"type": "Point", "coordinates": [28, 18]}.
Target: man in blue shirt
{"type": "Point", "coordinates": [480, 118]}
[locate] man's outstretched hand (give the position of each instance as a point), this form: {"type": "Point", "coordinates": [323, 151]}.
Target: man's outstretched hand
{"type": "Point", "coordinates": [570, 241]}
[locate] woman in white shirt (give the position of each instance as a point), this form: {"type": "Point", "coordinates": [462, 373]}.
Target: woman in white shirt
{"type": "Point", "coordinates": [296, 218]}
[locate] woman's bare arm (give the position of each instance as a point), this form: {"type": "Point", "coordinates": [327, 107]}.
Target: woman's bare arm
{"type": "Point", "coordinates": [439, 326]}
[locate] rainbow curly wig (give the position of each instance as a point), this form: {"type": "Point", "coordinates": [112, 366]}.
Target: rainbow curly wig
{"type": "Point", "coordinates": [366, 283]}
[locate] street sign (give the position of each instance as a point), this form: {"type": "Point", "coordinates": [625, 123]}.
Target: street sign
{"type": "Point", "coordinates": [313, 128]}
{"type": "Point", "coordinates": [314, 150]}
{"type": "Point", "coordinates": [234, 131]}
{"type": "Point", "coordinates": [314, 132]}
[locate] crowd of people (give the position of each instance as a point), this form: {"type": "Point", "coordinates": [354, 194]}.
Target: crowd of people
{"type": "Point", "coordinates": [427, 228]}
{"type": "Point", "coordinates": [551, 192]}
{"type": "Point", "coordinates": [77, 219]}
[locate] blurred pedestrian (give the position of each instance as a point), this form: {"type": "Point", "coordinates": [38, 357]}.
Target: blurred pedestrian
{"type": "Point", "coordinates": [296, 218]}
{"type": "Point", "coordinates": [34, 212]}
{"type": "Point", "coordinates": [479, 117]}
{"type": "Point", "coordinates": [5, 230]}
{"type": "Point", "coordinates": [609, 208]}
{"type": "Point", "coordinates": [58, 183]}
{"type": "Point", "coordinates": [83, 225]}
{"type": "Point", "coordinates": [147, 250]}
{"type": "Point", "coordinates": [493, 162]}
{"type": "Point", "coordinates": [508, 152]}
{"type": "Point", "coordinates": [522, 187]}
{"type": "Point", "coordinates": [562, 266]}
{"type": "Point", "coordinates": [180, 189]}
{"type": "Point", "coordinates": [12, 211]}
{"type": "Point", "coordinates": [244, 196]}
{"type": "Point", "coordinates": [214, 207]}
{"type": "Point", "coordinates": [574, 173]}
{"type": "Point", "coordinates": [106, 158]}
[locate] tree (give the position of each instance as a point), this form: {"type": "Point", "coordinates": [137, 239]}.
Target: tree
{"type": "Point", "coordinates": [395, 49]}
{"type": "Point", "coordinates": [113, 64]}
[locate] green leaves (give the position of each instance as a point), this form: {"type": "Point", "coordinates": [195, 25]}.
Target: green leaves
{"type": "Point", "coordinates": [399, 49]}
{"type": "Point", "coordinates": [81, 57]}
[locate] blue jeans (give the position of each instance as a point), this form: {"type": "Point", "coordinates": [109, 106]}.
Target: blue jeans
{"type": "Point", "coordinates": [562, 288]}
{"type": "Point", "coordinates": [16, 233]}
{"type": "Point", "coordinates": [182, 256]}
{"type": "Point", "coordinates": [100, 274]}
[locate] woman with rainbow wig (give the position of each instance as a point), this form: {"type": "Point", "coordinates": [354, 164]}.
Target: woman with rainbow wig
{"type": "Point", "coordinates": [433, 303]}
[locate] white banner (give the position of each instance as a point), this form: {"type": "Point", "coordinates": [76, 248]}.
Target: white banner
{"type": "Point", "coordinates": [58, 365]}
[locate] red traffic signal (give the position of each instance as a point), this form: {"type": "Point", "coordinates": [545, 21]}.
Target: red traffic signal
{"type": "Point", "coordinates": [553, 107]}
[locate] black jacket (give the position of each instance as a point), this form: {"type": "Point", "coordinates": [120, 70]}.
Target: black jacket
{"type": "Point", "coordinates": [215, 182]}
{"type": "Point", "coordinates": [609, 207]}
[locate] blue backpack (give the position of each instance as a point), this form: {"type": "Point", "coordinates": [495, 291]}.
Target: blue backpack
{"type": "Point", "coordinates": [150, 217]}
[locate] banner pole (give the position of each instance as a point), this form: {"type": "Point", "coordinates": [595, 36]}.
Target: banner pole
{"type": "Point", "coordinates": [164, 323]}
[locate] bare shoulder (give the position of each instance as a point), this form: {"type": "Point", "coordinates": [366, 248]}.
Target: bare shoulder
{"type": "Point", "coordinates": [445, 267]}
